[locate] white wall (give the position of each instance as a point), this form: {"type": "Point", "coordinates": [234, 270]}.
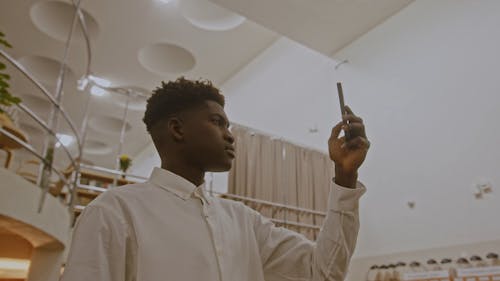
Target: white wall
{"type": "Point", "coordinates": [48, 231]}
{"type": "Point", "coordinates": [426, 83]}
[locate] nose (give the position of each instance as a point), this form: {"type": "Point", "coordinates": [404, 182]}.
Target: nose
{"type": "Point", "coordinates": [229, 137]}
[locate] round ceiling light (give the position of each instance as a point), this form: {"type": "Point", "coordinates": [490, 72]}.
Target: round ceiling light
{"type": "Point", "coordinates": [163, 58]}
{"type": "Point", "coordinates": [44, 69]}
{"type": "Point", "coordinates": [39, 104]}
{"type": "Point", "coordinates": [55, 18]}
{"type": "Point", "coordinates": [33, 131]}
{"type": "Point", "coordinates": [206, 15]}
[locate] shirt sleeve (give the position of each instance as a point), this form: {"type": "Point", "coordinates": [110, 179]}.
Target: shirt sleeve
{"type": "Point", "coordinates": [287, 255]}
{"type": "Point", "coordinates": [100, 248]}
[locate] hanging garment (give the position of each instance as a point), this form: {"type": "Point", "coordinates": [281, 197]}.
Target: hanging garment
{"type": "Point", "coordinates": [477, 261]}
{"type": "Point", "coordinates": [493, 259]}
{"type": "Point", "coordinates": [432, 265]}
{"type": "Point", "coordinates": [463, 263]}
{"type": "Point", "coordinates": [400, 271]}
{"type": "Point", "coordinates": [446, 264]}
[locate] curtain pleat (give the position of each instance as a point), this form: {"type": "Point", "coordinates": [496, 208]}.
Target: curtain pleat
{"type": "Point", "coordinates": [281, 172]}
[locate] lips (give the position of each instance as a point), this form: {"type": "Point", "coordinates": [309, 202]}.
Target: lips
{"type": "Point", "coordinates": [230, 151]}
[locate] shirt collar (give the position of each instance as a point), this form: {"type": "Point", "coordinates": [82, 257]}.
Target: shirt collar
{"type": "Point", "coordinates": [177, 185]}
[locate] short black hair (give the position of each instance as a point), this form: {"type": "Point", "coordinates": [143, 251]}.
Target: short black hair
{"type": "Point", "coordinates": [177, 96]}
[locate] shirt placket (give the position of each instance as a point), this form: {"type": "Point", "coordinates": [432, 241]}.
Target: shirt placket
{"type": "Point", "coordinates": [211, 221]}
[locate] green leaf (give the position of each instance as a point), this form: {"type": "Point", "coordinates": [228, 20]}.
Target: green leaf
{"type": "Point", "coordinates": [4, 84]}
{"type": "Point", "coordinates": [5, 43]}
{"type": "Point", "coordinates": [4, 76]}
{"type": "Point", "coordinates": [16, 100]}
{"type": "Point", "coordinates": [2, 66]}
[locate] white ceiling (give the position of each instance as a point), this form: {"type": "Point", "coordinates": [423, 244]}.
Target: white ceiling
{"type": "Point", "coordinates": [325, 26]}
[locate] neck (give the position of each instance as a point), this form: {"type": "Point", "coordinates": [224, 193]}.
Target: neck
{"type": "Point", "coordinates": [193, 175]}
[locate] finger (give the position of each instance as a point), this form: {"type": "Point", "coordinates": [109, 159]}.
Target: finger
{"type": "Point", "coordinates": [342, 142]}
{"type": "Point", "coordinates": [356, 130]}
{"type": "Point", "coordinates": [337, 142]}
{"type": "Point", "coordinates": [352, 118]}
{"type": "Point", "coordinates": [358, 142]}
{"type": "Point", "coordinates": [336, 130]}
{"type": "Point", "coordinates": [349, 110]}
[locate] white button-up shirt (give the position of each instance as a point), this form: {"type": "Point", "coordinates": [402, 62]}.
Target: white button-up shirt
{"type": "Point", "coordinates": [169, 229]}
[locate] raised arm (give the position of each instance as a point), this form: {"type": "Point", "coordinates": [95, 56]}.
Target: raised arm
{"type": "Point", "coordinates": [289, 256]}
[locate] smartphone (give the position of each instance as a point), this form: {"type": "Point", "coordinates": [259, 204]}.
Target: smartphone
{"type": "Point", "coordinates": [342, 107]}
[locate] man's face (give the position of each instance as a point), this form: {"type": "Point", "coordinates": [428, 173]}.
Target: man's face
{"type": "Point", "coordinates": [208, 141]}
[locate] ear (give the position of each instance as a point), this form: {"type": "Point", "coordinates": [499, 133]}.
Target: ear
{"type": "Point", "coordinates": [175, 128]}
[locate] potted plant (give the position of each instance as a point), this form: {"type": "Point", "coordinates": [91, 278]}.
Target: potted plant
{"type": "Point", "coordinates": [6, 99]}
{"type": "Point", "coordinates": [125, 163]}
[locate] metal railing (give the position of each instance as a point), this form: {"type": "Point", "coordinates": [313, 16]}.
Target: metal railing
{"type": "Point", "coordinates": [272, 204]}
{"type": "Point", "coordinates": [29, 148]}
{"type": "Point", "coordinates": [46, 167]}
{"type": "Point", "coordinates": [50, 127]}
{"type": "Point", "coordinates": [45, 161]}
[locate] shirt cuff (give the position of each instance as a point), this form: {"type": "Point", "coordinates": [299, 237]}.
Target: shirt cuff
{"type": "Point", "coordinates": [345, 199]}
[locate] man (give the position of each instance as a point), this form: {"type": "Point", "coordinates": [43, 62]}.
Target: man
{"type": "Point", "coordinates": [169, 229]}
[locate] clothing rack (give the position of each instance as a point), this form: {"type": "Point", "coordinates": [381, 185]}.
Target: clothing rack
{"type": "Point", "coordinates": [269, 203]}
{"type": "Point", "coordinates": [110, 171]}
{"type": "Point", "coordinates": [298, 224]}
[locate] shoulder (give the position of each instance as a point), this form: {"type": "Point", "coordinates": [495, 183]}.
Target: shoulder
{"type": "Point", "coordinates": [121, 193]}
{"type": "Point", "coordinates": [238, 208]}
{"type": "Point", "coordinates": [232, 204]}
{"type": "Point", "coordinates": [116, 202]}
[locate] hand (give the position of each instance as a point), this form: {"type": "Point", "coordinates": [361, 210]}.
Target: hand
{"type": "Point", "coordinates": [348, 155]}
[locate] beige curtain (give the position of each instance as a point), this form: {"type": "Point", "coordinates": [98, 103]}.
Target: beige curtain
{"type": "Point", "coordinates": [281, 172]}
{"type": "Point", "coordinates": [257, 168]}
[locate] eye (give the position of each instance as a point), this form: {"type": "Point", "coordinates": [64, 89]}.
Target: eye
{"type": "Point", "coordinates": [218, 122]}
